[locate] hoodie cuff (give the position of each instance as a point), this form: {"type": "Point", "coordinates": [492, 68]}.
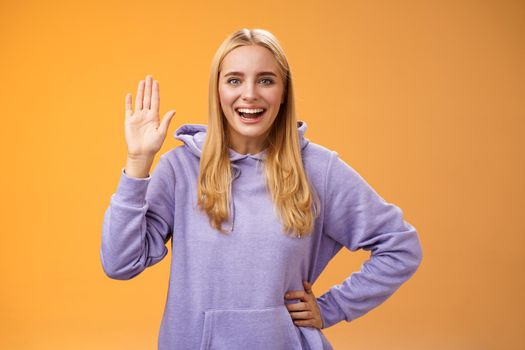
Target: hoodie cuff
{"type": "Point", "coordinates": [331, 313]}
{"type": "Point", "coordinates": [132, 190]}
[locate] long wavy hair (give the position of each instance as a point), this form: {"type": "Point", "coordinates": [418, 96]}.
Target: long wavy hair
{"type": "Point", "coordinates": [294, 198]}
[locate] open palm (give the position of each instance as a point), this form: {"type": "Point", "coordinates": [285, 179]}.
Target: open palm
{"type": "Point", "coordinates": [145, 133]}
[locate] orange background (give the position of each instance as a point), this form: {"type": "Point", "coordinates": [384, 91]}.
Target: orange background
{"type": "Point", "coordinates": [424, 98]}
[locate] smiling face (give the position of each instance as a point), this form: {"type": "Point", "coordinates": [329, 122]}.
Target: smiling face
{"type": "Point", "coordinates": [249, 80]}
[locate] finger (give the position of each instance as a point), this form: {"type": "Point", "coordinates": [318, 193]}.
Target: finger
{"type": "Point", "coordinates": [128, 105]}
{"type": "Point", "coordinates": [304, 323]}
{"type": "Point", "coordinates": [296, 294]}
{"type": "Point", "coordinates": [302, 315]}
{"type": "Point", "coordinates": [155, 96]}
{"type": "Point", "coordinates": [307, 286]}
{"type": "Point", "coordinates": [147, 92]}
{"type": "Point", "coordinates": [164, 124]}
{"type": "Point", "coordinates": [301, 306]}
{"type": "Point", "coordinates": [140, 94]}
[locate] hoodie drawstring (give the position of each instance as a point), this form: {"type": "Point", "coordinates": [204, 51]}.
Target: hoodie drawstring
{"type": "Point", "coordinates": [236, 174]}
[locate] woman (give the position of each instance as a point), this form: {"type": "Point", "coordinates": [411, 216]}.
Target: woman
{"type": "Point", "coordinates": [254, 211]}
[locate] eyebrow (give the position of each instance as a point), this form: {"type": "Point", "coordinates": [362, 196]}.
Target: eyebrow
{"type": "Point", "coordinates": [258, 74]}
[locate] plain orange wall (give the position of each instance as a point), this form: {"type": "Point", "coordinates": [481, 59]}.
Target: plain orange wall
{"type": "Point", "coordinates": [424, 98]}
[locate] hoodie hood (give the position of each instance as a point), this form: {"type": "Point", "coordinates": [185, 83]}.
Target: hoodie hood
{"type": "Point", "coordinates": [194, 136]}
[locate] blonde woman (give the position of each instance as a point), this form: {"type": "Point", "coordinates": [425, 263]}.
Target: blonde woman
{"type": "Point", "coordinates": [253, 212]}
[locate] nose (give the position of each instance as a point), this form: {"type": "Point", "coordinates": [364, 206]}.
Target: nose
{"type": "Point", "coordinates": [249, 92]}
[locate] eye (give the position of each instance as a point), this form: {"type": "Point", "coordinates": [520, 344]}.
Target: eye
{"type": "Point", "coordinates": [270, 81]}
{"type": "Point", "coordinates": [230, 80]}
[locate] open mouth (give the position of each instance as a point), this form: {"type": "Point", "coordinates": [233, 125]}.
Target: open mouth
{"type": "Point", "coordinates": [252, 115]}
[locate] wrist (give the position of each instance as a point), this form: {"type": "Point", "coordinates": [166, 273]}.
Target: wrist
{"type": "Point", "coordinates": [143, 157]}
{"type": "Point", "coordinates": [138, 166]}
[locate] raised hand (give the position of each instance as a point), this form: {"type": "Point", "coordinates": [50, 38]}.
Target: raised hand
{"type": "Point", "coordinates": [144, 131]}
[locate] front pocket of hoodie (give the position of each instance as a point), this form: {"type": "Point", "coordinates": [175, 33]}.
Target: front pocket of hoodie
{"type": "Point", "coordinates": [254, 329]}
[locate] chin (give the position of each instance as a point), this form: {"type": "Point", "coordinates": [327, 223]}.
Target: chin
{"type": "Point", "coordinates": [250, 129]}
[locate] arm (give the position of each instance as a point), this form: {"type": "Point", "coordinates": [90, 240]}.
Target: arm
{"type": "Point", "coordinates": [356, 217]}
{"type": "Point", "coordinates": [138, 222]}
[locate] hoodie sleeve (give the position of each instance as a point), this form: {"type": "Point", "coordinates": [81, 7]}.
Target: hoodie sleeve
{"type": "Point", "coordinates": [138, 222]}
{"type": "Point", "coordinates": [356, 217]}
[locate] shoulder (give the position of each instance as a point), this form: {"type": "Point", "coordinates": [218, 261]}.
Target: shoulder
{"type": "Point", "coordinates": [318, 155]}
{"type": "Point", "coordinates": [176, 154]}
{"type": "Point", "coordinates": [177, 159]}
{"type": "Point", "coordinates": [322, 163]}
{"type": "Point", "coordinates": [317, 160]}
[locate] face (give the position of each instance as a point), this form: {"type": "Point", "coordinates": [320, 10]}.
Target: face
{"type": "Point", "coordinates": [249, 80]}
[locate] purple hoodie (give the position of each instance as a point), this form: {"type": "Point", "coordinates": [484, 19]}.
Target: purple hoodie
{"type": "Point", "coordinates": [227, 291]}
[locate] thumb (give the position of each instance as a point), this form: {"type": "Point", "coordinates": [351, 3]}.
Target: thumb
{"type": "Point", "coordinates": [307, 286]}
{"type": "Point", "coordinates": [164, 124]}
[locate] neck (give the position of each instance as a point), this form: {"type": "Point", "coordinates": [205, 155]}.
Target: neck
{"type": "Point", "coordinates": [242, 145]}
{"type": "Point", "coordinates": [247, 149]}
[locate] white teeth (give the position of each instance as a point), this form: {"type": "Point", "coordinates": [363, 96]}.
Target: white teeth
{"type": "Point", "coordinates": [245, 110]}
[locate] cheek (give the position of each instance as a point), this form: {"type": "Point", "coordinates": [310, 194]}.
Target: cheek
{"type": "Point", "coordinates": [226, 101]}
{"type": "Point", "coordinates": [274, 97]}
{"type": "Point", "coordinates": [226, 96]}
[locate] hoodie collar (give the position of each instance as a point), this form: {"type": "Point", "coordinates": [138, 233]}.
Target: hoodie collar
{"type": "Point", "coordinates": [194, 135]}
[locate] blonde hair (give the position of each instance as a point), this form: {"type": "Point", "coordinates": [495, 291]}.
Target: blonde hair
{"type": "Point", "coordinates": [292, 194]}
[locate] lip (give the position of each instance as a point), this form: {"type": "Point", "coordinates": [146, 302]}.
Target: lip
{"type": "Point", "coordinates": [251, 121]}
{"type": "Point", "coordinates": [250, 107]}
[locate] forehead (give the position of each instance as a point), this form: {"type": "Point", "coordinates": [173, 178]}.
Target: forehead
{"type": "Point", "coordinates": [249, 59]}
